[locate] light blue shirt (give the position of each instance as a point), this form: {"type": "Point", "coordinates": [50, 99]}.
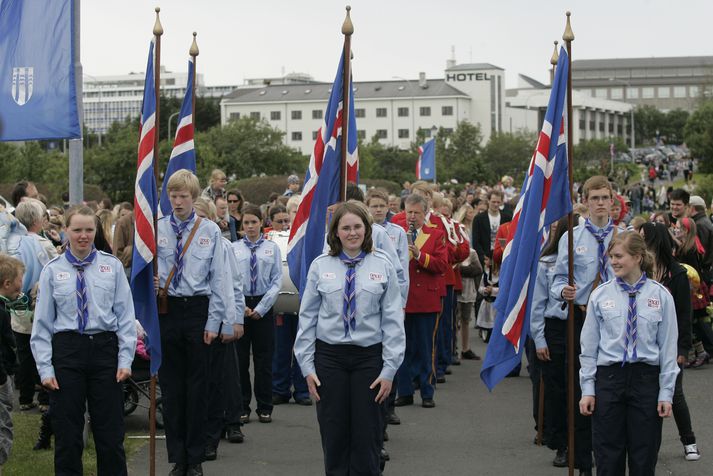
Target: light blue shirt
{"type": "Point", "coordinates": [111, 308]}
{"type": "Point", "coordinates": [269, 272]}
{"type": "Point", "coordinates": [543, 306]}
{"type": "Point", "coordinates": [379, 315]}
{"type": "Point", "coordinates": [382, 241]}
{"type": "Point", "coordinates": [586, 264]}
{"type": "Point", "coordinates": [603, 334]}
{"type": "Point", "coordinates": [202, 274]}
{"type": "Point", "coordinates": [34, 256]}
{"type": "Point", "coordinates": [233, 284]}
{"type": "Point", "coordinates": [400, 242]}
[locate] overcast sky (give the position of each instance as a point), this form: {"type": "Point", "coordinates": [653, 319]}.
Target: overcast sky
{"type": "Point", "coordinates": [241, 39]}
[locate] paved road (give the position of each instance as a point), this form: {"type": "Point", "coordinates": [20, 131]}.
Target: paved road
{"type": "Point", "coordinates": [470, 432]}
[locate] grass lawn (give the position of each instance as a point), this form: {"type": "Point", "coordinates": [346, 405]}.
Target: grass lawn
{"type": "Point", "coordinates": [25, 462]}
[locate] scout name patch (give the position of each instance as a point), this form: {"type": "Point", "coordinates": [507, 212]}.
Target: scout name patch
{"type": "Point", "coordinates": [203, 241]}
{"type": "Point", "coordinates": [62, 276]}
{"type": "Point", "coordinates": [653, 303]}
{"type": "Point", "coordinates": [378, 277]}
{"type": "Point", "coordinates": [608, 304]}
{"type": "Point", "coordinates": [329, 276]}
{"type": "Point", "coordinates": [268, 252]}
{"type": "Point", "coordinates": [104, 268]}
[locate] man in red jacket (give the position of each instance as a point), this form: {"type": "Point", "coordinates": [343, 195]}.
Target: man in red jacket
{"type": "Point", "coordinates": [428, 262]}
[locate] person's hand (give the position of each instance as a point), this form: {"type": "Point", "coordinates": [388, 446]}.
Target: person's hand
{"type": "Point", "coordinates": [252, 314]}
{"type": "Point", "coordinates": [586, 405]}
{"type": "Point", "coordinates": [664, 409]}
{"type": "Point", "coordinates": [312, 383]}
{"type": "Point", "coordinates": [54, 235]}
{"type": "Point", "coordinates": [414, 251]}
{"type": "Point", "coordinates": [208, 337]}
{"type": "Point", "coordinates": [488, 290]}
{"type": "Point", "coordinates": [238, 331]}
{"type": "Point", "coordinates": [569, 293]}
{"type": "Point", "coordinates": [256, 315]}
{"type": "Point", "coordinates": [384, 389]}
{"type": "Point", "coordinates": [122, 374]}
{"type": "Point", "coordinates": [681, 359]}
{"type": "Point", "coordinates": [50, 383]}
{"type": "Point", "coordinates": [223, 225]}
{"type": "Point", "coordinates": [543, 354]}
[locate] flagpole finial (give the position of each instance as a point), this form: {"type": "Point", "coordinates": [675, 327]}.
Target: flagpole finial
{"type": "Point", "coordinates": [555, 56]}
{"type": "Point", "coordinates": [157, 27]}
{"type": "Point", "coordinates": [194, 46]}
{"type": "Point", "coordinates": [568, 34]}
{"type": "Point", "coordinates": [347, 26]}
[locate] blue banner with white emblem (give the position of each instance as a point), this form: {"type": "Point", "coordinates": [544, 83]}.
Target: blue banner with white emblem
{"type": "Point", "coordinates": [38, 99]}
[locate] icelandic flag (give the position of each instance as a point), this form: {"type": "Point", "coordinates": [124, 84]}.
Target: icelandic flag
{"type": "Point", "coordinates": [426, 165]}
{"type": "Point", "coordinates": [544, 199]}
{"type": "Point", "coordinates": [322, 182]}
{"type": "Point", "coordinates": [183, 155]}
{"type": "Point", "coordinates": [38, 98]}
{"type": "Point", "coordinates": [145, 204]}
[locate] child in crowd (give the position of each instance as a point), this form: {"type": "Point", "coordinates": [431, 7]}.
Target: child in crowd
{"type": "Point", "coordinates": [489, 290]}
{"type": "Point", "coordinates": [11, 272]}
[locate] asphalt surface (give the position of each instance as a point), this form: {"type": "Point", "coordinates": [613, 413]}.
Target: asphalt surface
{"type": "Point", "coordinates": [470, 432]}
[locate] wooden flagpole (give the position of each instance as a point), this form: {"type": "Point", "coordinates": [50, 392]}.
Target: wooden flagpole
{"type": "Point", "coordinates": [568, 37]}
{"type": "Point", "coordinates": [347, 31]}
{"type": "Point", "coordinates": [541, 392]}
{"type": "Point", "coordinates": [157, 31]}
{"type": "Point", "coordinates": [194, 53]}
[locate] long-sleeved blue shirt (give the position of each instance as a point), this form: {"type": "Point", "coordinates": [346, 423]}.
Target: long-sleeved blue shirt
{"type": "Point", "coordinates": [269, 272]}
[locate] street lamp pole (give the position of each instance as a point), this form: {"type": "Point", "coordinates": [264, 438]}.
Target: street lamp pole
{"type": "Point", "coordinates": [413, 111]}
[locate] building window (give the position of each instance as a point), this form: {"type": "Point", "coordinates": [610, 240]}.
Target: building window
{"type": "Point", "coordinates": [446, 110]}
{"type": "Point", "coordinates": [647, 93]}
{"type": "Point", "coordinates": [380, 112]}
{"type": "Point", "coordinates": [314, 135]}
{"type": "Point", "coordinates": [402, 112]}
{"type": "Point", "coordinates": [611, 128]}
{"type": "Point", "coordinates": [359, 112]}
{"type": "Point", "coordinates": [275, 115]}
{"type": "Point", "coordinates": [426, 132]}
{"type": "Point", "coordinates": [296, 115]}
{"type": "Point", "coordinates": [632, 93]}
{"type": "Point", "coordinates": [361, 134]}
{"type": "Point", "coordinates": [601, 127]}
{"type": "Point", "coordinates": [600, 93]}
{"type": "Point", "coordinates": [619, 129]}
{"type": "Point", "coordinates": [591, 125]}
{"type": "Point", "coordinates": [403, 133]}
{"type": "Point", "coordinates": [296, 136]}
{"type": "Point", "coordinates": [664, 92]}
{"type": "Point", "coordinates": [381, 134]}
{"type": "Point", "coordinates": [679, 91]}
{"type": "Point", "coordinates": [617, 93]}
{"type": "Point", "coordinates": [255, 115]}
{"type": "Point", "coordinates": [693, 91]}
{"type": "Point", "coordinates": [582, 125]}
{"type": "Point", "coordinates": [447, 131]}
{"type": "Point", "coordinates": [424, 111]}
{"type": "Point", "coordinates": [317, 114]}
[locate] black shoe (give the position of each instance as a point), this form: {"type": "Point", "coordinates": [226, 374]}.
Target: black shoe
{"type": "Point", "coordinates": [44, 439]}
{"type": "Point", "coordinates": [448, 371]}
{"type": "Point", "coordinates": [264, 418]}
{"type": "Point", "coordinates": [455, 360]}
{"type": "Point", "coordinates": [560, 460]}
{"type": "Point", "coordinates": [179, 469]}
{"type": "Point", "coordinates": [305, 402]}
{"type": "Point", "coordinates": [211, 453]}
{"type": "Point", "coordinates": [393, 419]}
{"type": "Point", "coordinates": [194, 470]}
{"type": "Point", "coordinates": [280, 399]}
{"type": "Point", "coordinates": [585, 472]}
{"type": "Point", "coordinates": [441, 379]}
{"type": "Point", "coordinates": [403, 401]}
{"type": "Point", "coordinates": [469, 355]}
{"type": "Point", "coordinates": [428, 403]}
{"type": "Point", "coordinates": [234, 435]}
{"type": "Point", "coordinates": [386, 436]}
{"type": "Point", "coordinates": [245, 418]}
{"type": "Point", "coordinates": [384, 454]}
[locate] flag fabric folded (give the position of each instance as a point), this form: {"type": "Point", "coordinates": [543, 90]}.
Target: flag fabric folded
{"type": "Point", "coordinates": [426, 164]}
{"type": "Point", "coordinates": [544, 199]}
{"type": "Point", "coordinates": [183, 155]}
{"type": "Point", "coordinates": [38, 99]}
{"type": "Point", "coordinates": [322, 182]}
{"type": "Point", "coordinates": [145, 204]}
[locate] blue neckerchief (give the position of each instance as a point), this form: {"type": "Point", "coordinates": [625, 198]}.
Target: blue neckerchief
{"type": "Point", "coordinates": [253, 261]}
{"type": "Point", "coordinates": [82, 303]}
{"type": "Point", "coordinates": [631, 331]}
{"type": "Point", "coordinates": [600, 236]}
{"type": "Point", "coordinates": [179, 229]}
{"type": "Point", "coordinates": [349, 308]}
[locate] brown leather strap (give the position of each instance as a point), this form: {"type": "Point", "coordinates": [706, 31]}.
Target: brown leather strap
{"type": "Point", "coordinates": [164, 290]}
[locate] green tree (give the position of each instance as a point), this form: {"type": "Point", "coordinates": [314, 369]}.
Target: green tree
{"type": "Point", "coordinates": [509, 154]}
{"type": "Point", "coordinates": [647, 120]}
{"type": "Point", "coordinates": [207, 114]}
{"type": "Point", "coordinates": [461, 152]}
{"type": "Point", "coordinates": [377, 161]}
{"type": "Point", "coordinates": [672, 129]}
{"type": "Point", "coordinates": [595, 152]}
{"type": "Point", "coordinates": [699, 135]}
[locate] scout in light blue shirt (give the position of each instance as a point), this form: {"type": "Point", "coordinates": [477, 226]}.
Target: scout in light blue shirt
{"type": "Point", "coordinates": [269, 272]}
{"type": "Point", "coordinates": [586, 265]}
{"type": "Point", "coordinates": [603, 335]}
{"type": "Point", "coordinates": [379, 316]}
{"type": "Point", "coordinates": [110, 308]}
{"type": "Point", "coordinates": [233, 283]}
{"type": "Point", "coordinates": [202, 274]}
{"type": "Point", "coordinates": [400, 242]}
{"type": "Point", "coordinates": [544, 306]}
